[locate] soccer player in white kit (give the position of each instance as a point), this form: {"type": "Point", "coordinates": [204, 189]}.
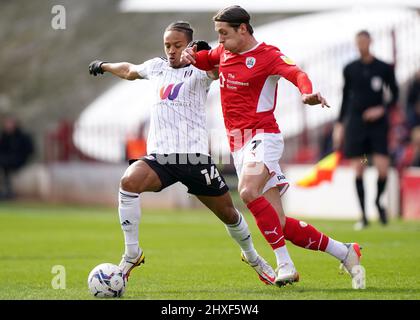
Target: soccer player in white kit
{"type": "Point", "coordinates": [177, 148]}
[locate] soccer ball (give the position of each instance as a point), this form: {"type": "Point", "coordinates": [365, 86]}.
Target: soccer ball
{"type": "Point", "coordinates": [106, 281]}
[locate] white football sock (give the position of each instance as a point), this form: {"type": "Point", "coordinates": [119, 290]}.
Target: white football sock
{"type": "Point", "coordinates": [240, 232]}
{"type": "Point", "coordinates": [129, 211]}
{"type": "Point", "coordinates": [337, 249]}
{"type": "Point", "coordinates": [282, 255]}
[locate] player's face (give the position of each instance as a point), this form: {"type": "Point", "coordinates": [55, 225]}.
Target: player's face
{"type": "Point", "coordinates": [363, 44]}
{"type": "Point", "coordinates": [230, 38]}
{"type": "Point", "coordinates": [174, 42]}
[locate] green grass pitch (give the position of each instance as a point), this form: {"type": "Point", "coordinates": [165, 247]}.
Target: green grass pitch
{"type": "Point", "coordinates": [189, 255]}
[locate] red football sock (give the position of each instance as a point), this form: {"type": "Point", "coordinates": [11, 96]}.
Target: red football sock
{"type": "Point", "coordinates": [304, 235]}
{"type": "Point", "coordinates": [268, 221]}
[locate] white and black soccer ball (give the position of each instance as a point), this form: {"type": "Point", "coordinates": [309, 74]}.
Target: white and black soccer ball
{"type": "Point", "coordinates": [106, 281]}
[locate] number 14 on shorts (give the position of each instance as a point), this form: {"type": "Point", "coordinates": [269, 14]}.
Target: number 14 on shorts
{"type": "Point", "coordinates": [212, 175]}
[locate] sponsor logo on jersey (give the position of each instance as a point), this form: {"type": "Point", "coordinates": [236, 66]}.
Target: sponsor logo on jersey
{"type": "Point", "coordinates": [222, 80]}
{"type": "Point", "coordinates": [250, 62]}
{"type": "Point", "coordinates": [171, 91]}
{"type": "Point", "coordinates": [287, 60]}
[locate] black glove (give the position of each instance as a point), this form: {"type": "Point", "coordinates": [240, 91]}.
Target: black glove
{"type": "Point", "coordinates": [95, 67]}
{"type": "Point", "coordinates": [201, 45]}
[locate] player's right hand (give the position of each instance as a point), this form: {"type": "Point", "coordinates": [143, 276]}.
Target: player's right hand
{"type": "Point", "coordinates": [188, 55]}
{"type": "Point", "coordinates": [372, 114]}
{"type": "Point", "coordinates": [95, 67]}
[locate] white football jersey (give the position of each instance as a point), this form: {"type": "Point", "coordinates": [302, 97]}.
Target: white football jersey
{"type": "Point", "coordinates": [177, 116]}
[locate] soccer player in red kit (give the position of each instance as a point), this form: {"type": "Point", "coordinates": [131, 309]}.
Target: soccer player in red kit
{"type": "Point", "coordinates": [248, 74]}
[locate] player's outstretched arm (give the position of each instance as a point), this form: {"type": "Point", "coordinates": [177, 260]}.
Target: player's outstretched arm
{"type": "Point", "coordinates": [300, 79]}
{"type": "Point", "coordinates": [305, 86]}
{"type": "Point", "coordinates": [124, 70]}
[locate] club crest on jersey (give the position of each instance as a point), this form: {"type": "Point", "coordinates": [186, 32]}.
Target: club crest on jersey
{"type": "Point", "coordinates": [376, 83]}
{"type": "Point", "coordinates": [250, 62]}
{"type": "Point", "coordinates": [188, 73]}
{"type": "Point", "coordinates": [170, 92]}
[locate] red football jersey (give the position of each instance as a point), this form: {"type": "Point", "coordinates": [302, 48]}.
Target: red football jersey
{"type": "Point", "coordinates": [248, 86]}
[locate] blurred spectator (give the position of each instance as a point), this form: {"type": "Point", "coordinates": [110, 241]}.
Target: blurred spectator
{"type": "Point", "coordinates": [16, 147]}
{"type": "Point", "coordinates": [136, 145]}
{"type": "Point", "coordinates": [413, 102]}
{"type": "Point", "coordinates": [399, 134]}
{"type": "Point", "coordinates": [410, 156]}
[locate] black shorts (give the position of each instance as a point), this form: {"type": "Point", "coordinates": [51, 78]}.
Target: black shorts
{"type": "Point", "coordinates": [196, 171]}
{"type": "Point", "coordinates": [365, 139]}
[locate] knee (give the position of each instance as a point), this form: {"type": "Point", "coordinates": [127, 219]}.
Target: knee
{"type": "Point", "coordinates": [382, 172]}
{"type": "Point", "coordinates": [248, 194]}
{"type": "Point", "coordinates": [128, 183]}
{"type": "Point", "coordinates": [359, 172]}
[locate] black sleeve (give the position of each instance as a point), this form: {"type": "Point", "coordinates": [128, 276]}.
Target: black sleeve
{"type": "Point", "coordinates": [392, 84]}
{"type": "Point", "coordinates": [344, 102]}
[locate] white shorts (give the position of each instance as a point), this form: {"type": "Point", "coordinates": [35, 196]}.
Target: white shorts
{"type": "Point", "coordinates": [268, 149]}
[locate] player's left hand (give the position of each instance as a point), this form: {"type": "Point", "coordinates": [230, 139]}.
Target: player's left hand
{"type": "Point", "coordinates": [313, 99]}
{"type": "Point", "coordinates": [95, 67]}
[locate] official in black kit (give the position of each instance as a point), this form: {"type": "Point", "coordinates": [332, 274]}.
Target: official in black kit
{"type": "Point", "coordinates": [362, 126]}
